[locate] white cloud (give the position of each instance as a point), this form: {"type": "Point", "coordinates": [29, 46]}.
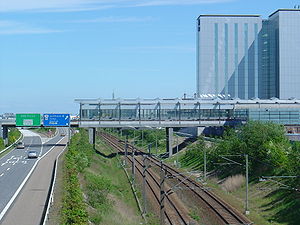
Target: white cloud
{"type": "Point", "coordinates": [87, 5]}
{"type": "Point", "coordinates": [12, 27]}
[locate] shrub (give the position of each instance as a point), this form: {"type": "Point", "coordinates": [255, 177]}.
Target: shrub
{"type": "Point", "coordinates": [77, 158]}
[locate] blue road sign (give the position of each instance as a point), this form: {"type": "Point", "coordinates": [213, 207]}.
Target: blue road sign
{"type": "Point", "coordinates": [56, 120]}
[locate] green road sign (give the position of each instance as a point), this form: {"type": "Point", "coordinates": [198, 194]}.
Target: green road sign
{"type": "Point", "coordinates": [30, 120]}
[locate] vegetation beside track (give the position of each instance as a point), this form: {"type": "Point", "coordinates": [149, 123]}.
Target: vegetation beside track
{"type": "Point", "coordinates": [274, 201]}
{"type": "Point", "coordinates": [142, 138]}
{"type": "Point", "coordinates": [118, 205]}
{"type": "Point", "coordinates": [95, 188]}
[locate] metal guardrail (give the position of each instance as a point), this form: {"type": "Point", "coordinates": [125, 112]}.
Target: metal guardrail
{"type": "Point", "coordinates": [49, 200]}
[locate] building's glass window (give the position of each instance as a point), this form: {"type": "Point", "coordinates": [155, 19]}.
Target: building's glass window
{"type": "Point", "coordinates": [216, 60]}
{"type": "Point", "coordinates": [226, 60]}
{"type": "Point", "coordinates": [256, 60]}
{"type": "Point", "coordinates": [246, 59]}
{"type": "Point", "coordinates": [236, 71]}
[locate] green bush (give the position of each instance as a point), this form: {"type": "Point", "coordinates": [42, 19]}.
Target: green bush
{"type": "Point", "coordinates": [2, 146]}
{"type": "Point", "coordinates": [266, 144]}
{"type": "Point", "coordinates": [77, 159]}
{"type": "Point", "coordinates": [13, 135]}
{"type": "Point", "coordinates": [98, 188]}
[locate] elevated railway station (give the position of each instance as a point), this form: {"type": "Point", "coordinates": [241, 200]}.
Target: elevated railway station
{"type": "Point", "coordinates": [184, 112]}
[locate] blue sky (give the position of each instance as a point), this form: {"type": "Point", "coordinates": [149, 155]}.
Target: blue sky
{"type": "Point", "coordinates": [54, 51]}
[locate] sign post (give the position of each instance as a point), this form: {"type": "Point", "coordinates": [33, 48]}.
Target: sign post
{"type": "Point", "coordinates": [56, 120]}
{"type": "Point", "coordinates": [28, 119]}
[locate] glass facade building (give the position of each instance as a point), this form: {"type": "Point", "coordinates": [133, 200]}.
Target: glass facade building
{"type": "Point", "coordinates": [244, 56]}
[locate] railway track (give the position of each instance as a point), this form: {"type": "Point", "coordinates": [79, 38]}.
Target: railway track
{"type": "Point", "coordinates": [172, 213]}
{"type": "Point", "coordinates": [225, 213]}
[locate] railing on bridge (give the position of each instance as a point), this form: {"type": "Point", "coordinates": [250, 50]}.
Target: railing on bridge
{"type": "Point", "coordinates": [157, 111]}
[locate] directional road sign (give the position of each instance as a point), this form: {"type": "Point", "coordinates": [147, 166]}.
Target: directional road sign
{"type": "Point", "coordinates": [56, 120]}
{"type": "Point", "coordinates": [28, 119]}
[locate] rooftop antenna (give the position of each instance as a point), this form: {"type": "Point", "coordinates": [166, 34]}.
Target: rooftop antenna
{"type": "Point", "coordinates": [113, 95]}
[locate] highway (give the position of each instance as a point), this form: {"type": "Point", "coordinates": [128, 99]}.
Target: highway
{"type": "Point", "coordinates": [15, 168]}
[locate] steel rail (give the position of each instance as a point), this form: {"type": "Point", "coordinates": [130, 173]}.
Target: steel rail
{"type": "Point", "coordinates": [113, 144]}
{"type": "Point", "coordinates": [224, 211]}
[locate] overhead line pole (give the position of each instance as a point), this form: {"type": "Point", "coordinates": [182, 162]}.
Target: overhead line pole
{"type": "Point", "coordinates": [247, 182]}
{"type": "Point", "coordinates": [247, 212]}
{"type": "Point", "coordinates": [144, 184]}
{"type": "Point", "coordinates": [162, 194]}
{"type": "Point", "coordinates": [204, 165]}
{"type": "Point", "coordinates": [133, 166]}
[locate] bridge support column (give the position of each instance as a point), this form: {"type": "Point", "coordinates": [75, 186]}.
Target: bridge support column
{"type": "Point", "coordinates": [5, 134]}
{"type": "Point", "coordinates": [169, 140]}
{"type": "Point", "coordinates": [92, 136]}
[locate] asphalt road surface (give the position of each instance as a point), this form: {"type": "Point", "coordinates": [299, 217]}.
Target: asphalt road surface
{"type": "Point", "coordinates": [15, 167]}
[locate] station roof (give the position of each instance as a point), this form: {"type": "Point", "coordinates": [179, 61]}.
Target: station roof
{"type": "Point", "coordinates": [186, 101]}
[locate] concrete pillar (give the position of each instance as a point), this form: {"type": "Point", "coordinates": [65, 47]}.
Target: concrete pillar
{"type": "Point", "coordinates": [5, 134]}
{"type": "Point", "coordinates": [92, 136]}
{"type": "Point", "coordinates": [200, 130]}
{"type": "Point", "coordinates": [1, 133]}
{"type": "Point", "coordinates": [169, 140]}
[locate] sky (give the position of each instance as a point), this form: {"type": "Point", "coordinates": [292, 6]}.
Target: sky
{"type": "Point", "coordinates": [55, 51]}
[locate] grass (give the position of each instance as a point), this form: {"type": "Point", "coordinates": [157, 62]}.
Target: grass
{"type": "Point", "coordinates": [108, 191]}
{"type": "Point", "coordinates": [194, 215]}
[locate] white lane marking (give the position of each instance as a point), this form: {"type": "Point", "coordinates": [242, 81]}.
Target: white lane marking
{"type": "Point", "coordinates": [9, 159]}
{"type": "Point", "coordinates": [1, 174]}
{"type": "Point", "coordinates": [16, 161]}
{"type": "Point", "coordinates": [24, 181]}
{"type": "Point", "coordinates": [3, 164]}
{"type": "Point", "coordinates": [8, 169]}
{"type": "Point", "coordinates": [41, 150]}
{"type": "Point", "coordinates": [29, 144]}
